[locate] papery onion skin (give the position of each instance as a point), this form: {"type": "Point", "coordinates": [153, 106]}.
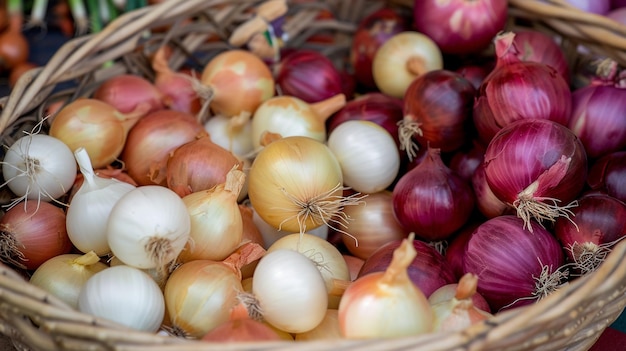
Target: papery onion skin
{"type": "Point", "coordinates": [535, 160]}
{"type": "Point", "coordinates": [440, 102]}
{"type": "Point", "coordinates": [372, 225]}
{"type": "Point", "coordinates": [431, 200]}
{"type": "Point", "coordinates": [237, 71]}
{"type": "Point", "coordinates": [508, 259]}
{"type": "Point", "coordinates": [599, 221]}
{"type": "Point", "coordinates": [608, 175]}
{"type": "Point", "coordinates": [401, 59]}
{"type": "Point", "coordinates": [199, 165]}
{"type": "Point", "coordinates": [460, 26]}
{"type": "Point", "coordinates": [598, 118]}
{"type": "Point", "coordinates": [487, 203]}
{"type": "Point", "coordinates": [151, 140]}
{"type": "Point", "coordinates": [517, 90]}
{"type": "Point", "coordinates": [429, 270]}
{"type": "Point", "coordinates": [33, 232]}
{"type": "Point", "coordinates": [371, 33]}
{"type": "Point", "coordinates": [126, 91]}
{"type": "Point", "coordinates": [298, 167]}
{"type": "Point", "coordinates": [308, 75]}
{"type": "Point", "coordinates": [455, 251]}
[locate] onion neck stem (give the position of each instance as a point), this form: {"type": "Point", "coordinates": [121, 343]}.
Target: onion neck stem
{"type": "Point", "coordinates": [88, 259]}
{"type": "Point", "coordinates": [325, 108]}
{"type": "Point", "coordinates": [416, 65]}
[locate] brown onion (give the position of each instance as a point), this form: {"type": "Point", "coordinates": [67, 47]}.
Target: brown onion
{"type": "Point", "coordinates": [151, 140]}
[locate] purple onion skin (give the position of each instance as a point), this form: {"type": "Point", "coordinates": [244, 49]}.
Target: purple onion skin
{"type": "Point", "coordinates": [599, 118]}
{"type": "Point", "coordinates": [431, 200]}
{"type": "Point", "coordinates": [505, 257]}
{"type": "Point", "coordinates": [608, 175]}
{"type": "Point", "coordinates": [429, 270]}
{"type": "Point", "coordinates": [308, 75]}
{"type": "Point", "coordinates": [598, 219]}
{"type": "Point", "coordinates": [456, 248]}
{"type": "Point", "coordinates": [524, 150]}
{"type": "Point", "coordinates": [536, 46]}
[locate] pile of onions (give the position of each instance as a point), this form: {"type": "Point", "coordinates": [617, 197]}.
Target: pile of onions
{"type": "Point", "coordinates": [514, 266]}
{"type": "Point", "coordinates": [431, 200]}
{"type": "Point", "coordinates": [460, 26]}
{"type": "Point", "coordinates": [517, 89]}
{"type": "Point", "coordinates": [428, 270]}
{"type": "Point", "coordinates": [308, 75]}
{"type": "Point", "coordinates": [538, 166]}
{"type": "Point", "coordinates": [593, 230]}
{"type": "Point", "coordinates": [437, 111]}
{"type": "Point", "coordinates": [373, 31]}
{"type": "Point", "coordinates": [608, 175]}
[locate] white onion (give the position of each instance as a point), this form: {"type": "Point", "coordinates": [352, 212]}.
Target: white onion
{"type": "Point", "coordinates": [271, 234]}
{"type": "Point", "coordinates": [38, 166]}
{"type": "Point", "coordinates": [367, 154]}
{"type": "Point", "coordinates": [234, 138]}
{"type": "Point", "coordinates": [125, 295]}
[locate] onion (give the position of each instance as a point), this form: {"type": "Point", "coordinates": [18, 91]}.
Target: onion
{"type": "Point", "coordinates": [31, 233]}
{"type": "Point", "coordinates": [598, 118]}
{"type": "Point", "coordinates": [460, 26]}
{"type": "Point", "coordinates": [455, 252]}
{"type": "Point", "coordinates": [38, 167]}
{"type": "Point", "coordinates": [290, 290]}
{"type": "Point", "coordinates": [236, 71]}
{"type": "Point", "coordinates": [354, 265]}
{"type": "Point", "coordinates": [514, 266]}
{"type": "Point", "coordinates": [328, 329]}
{"type": "Point", "coordinates": [608, 174]}
{"type": "Point", "coordinates": [176, 88]}
{"type": "Point", "coordinates": [428, 271]}
{"type": "Point", "coordinates": [458, 312]}
{"type": "Point", "coordinates": [199, 296]}
{"type": "Point", "coordinates": [517, 90]}
{"type": "Point", "coordinates": [296, 184]}
{"type": "Point", "coordinates": [372, 32]}
{"type": "Point", "coordinates": [401, 59]}
{"type": "Point", "coordinates": [431, 200]}
{"type": "Point", "coordinates": [290, 116]}
{"type": "Point", "coordinates": [448, 291]}
{"type": "Point", "coordinates": [234, 138]}
{"type": "Point", "coordinates": [96, 126]}
{"type": "Point", "coordinates": [618, 14]}
{"type": "Point", "coordinates": [597, 225]}
{"type": "Point", "coordinates": [14, 47]}
{"type": "Point", "coordinates": [474, 73]}
{"type": "Point", "coordinates": [536, 46]}
{"type": "Point", "coordinates": [148, 227]}
{"type": "Point", "coordinates": [465, 161]}
{"type": "Point", "coordinates": [371, 225]}
{"type": "Point", "coordinates": [126, 92]}
{"type": "Point", "coordinates": [538, 166]}
{"type": "Point", "coordinates": [487, 203]}
{"type": "Point", "coordinates": [125, 295]}
{"type": "Point", "coordinates": [308, 75]}
{"type": "Point", "coordinates": [367, 154]}
{"type": "Point", "coordinates": [437, 111]}
{"type": "Point", "coordinates": [65, 275]}
{"type": "Point", "coordinates": [151, 140]}
{"type": "Point", "coordinates": [599, 7]}
{"type": "Point", "coordinates": [199, 165]}
{"type": "Point", "coordinates": [386, 304]}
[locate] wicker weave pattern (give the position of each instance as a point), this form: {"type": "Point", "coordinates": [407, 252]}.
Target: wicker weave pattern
{"type": "Point", "coordinates": [570, 319]}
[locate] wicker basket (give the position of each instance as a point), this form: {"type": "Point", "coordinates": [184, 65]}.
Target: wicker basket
{"type": "Point", "coordinates": [570, 319]}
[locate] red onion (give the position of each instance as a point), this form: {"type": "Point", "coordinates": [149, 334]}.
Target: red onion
{"type": "Point", "coordinates": [517, 90]}
{"type": "Point", "coordinates": [618, 14]}
{"type": "Point", "coordinates": [431, 200]}
{"type": "Point", "coordinates": [487, 203]}
{"type": "Point", "coordinates": [598, 223]}
{"type": "Point", "coordinates": [456, 248]}
{"type": "Point", "coordinates": [308, 75]}
{"type": "Point", "coordinates": [176, 86]}
{"type": "Point", "coordinates": [474, 73]}
{"type": "Point", "coordinates": [437, 110]}
{"type": "Point", "coordinates": [538, 166]}
{"type": "Point", "coordinates": [372, 31]}
{"type": "Point", "coordinates": [384, 110]}
{"type": "Point", "coordinates": [126, 91]}
{"type": "Point", "coordinates": [514, 266]}
{"type": "Point", "coordinates": [615, 4]}
{"type": "Point", "coordinates": [460, 26]}
{"type": "Point", "coordinates": [31, 233]}
{"type": "Point", "coordinates": [536, 46]}
{"type": "Point", "coordinates": [429, 270]}
{"type": "Point", "coordinates": [598, 118]}
{"type": "Point", "coordinates": [608, 175]}
{"type": "Point", "coordinates": [465, 161]}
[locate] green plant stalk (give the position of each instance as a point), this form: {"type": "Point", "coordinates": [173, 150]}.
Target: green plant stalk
{"type": "Point", "coordinates": [79, 13]}
{"type": "Point", "coordinates": [94, 16]}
